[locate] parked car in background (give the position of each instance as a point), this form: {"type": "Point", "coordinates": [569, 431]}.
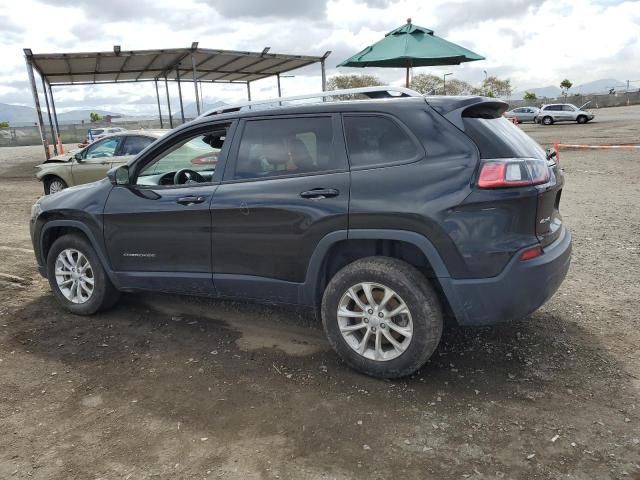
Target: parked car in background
{"type": "Point", "coordinates": [523, 114]}
{"type": "Point", "coordinates": [91, 163]}
{"type": "Point", "coordinates": [563, 112]}
{"type": "Point", "coordinates": [94, 134]}
{"type": "Point", "coordinates": [384, 216]}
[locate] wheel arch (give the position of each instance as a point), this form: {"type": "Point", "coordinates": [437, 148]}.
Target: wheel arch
{"type": "Point", "coordinates": [338, 249]}
{"type": "Point", "coordinates": [55, 229]}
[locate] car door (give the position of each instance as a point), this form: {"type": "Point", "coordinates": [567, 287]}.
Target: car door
{"type": "Point", "coordinates": [95, 160]}
{"type": "Point", "coordinates": [569, 112]}
{"type": "Point", "coordinates": [157, 230]}
{"type": "Point", "coordinates": [286, 186]}
{"type": "Point", "coordinates": [527, 114]}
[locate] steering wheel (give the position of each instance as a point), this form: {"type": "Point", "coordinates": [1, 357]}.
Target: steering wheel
{"type": "Point", "coordinates": [186, 175]}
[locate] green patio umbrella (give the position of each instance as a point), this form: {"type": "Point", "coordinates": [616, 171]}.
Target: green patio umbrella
{"type": "Point", "coordinates": [411, 46]}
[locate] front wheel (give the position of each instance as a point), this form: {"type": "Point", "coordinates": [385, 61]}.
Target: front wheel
{"type": "Point", "coordinates": [382, 316]}
{"type": "Point", "coordinates": [547, 120]}
{"type": "Point", "coordinates": [54, 185]}
{"type": "Point", "coordinates": [582, 119]}
{"type": "Point", "coordinates": [77, 277]}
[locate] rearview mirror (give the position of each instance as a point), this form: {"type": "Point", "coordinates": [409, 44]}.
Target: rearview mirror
{"type": "Point", "coordinates": [119, 175]}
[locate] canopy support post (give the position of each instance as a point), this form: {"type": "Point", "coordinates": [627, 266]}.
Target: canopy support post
{"type": "Point", "coordinates": [249, 91]}
{"type": "Point", "coordinates": [279, 88]}
{"type": "Point", "coordinates": [55, 119]}
{"type": "Point", "coordinates": [36, 101]}
{"type": "Point", "coordinates": [201, 97]}
{"type": "Point", "coordinates": [158, 99]}
{"type": "Point", "coordinates": [195, 83]}
{"type": "Point", "coordinates": [324, 75]}
{"type": "Point", "coordinates": [166, 84]}
{"type": "Point", "coordinates": [46, 101]}
{"type": "Point", "coordinates": [180, 93]}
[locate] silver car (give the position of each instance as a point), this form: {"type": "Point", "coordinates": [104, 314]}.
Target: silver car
{"type": "Point", "coordinates": [563, 112]}
{"type": "Point", "coordinates": [92, 163]}
{"type": "Point", "coordinates": [523, 114]}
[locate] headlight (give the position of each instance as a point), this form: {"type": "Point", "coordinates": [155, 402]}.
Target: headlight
{"type": "Point", "coordinates": [36, 210]}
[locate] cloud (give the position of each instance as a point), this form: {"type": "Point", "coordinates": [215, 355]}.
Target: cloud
{"type": "Point", "coordinates": [312, 9]}
{"type": "Point", "coordinates": [456, 14]}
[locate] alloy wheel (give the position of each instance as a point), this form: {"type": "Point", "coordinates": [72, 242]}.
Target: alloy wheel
{"type": "Point", "coordinates": [74, 275]}
{"type": "Point", "coordinates": [56, 186]}
{"type": "Point", "coordinates": [375, 321]}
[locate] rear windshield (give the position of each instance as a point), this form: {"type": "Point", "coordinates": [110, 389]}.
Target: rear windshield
{"type": "Point", "coordinates": [499, 138]}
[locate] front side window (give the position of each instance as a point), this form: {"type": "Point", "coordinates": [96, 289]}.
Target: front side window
{"type": "Point", "coordinates": [190, 160]}
{"type": "Point", "coordinates": [568, 108]}
{"type": "Point", "coordinates": [285, 146]}
{"type": "Point", "coordinates": [376, 140]}
{"type": "Point", "coordinates": [103, 149]}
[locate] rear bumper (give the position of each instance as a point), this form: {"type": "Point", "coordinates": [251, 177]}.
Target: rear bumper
{"type": "Point", "coordinates": [521, 288]}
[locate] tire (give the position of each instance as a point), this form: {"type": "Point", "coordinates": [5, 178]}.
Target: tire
{"type": "Point", "coordinates": [54, 185]}
{"type": "Point", "coordinates": [424, 319]}
{"type": "Point", "coordinates": [581, 119]}
{"type": "Point", "coordinates": [103, 294]}
{"type": "Point", "coordinates": [547, 120]}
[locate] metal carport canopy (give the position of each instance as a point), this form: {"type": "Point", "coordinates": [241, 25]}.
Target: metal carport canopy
{"type": "Point", "coordinates": [197, 65]}
{"type": "Point", "coordinates": [224, 66]}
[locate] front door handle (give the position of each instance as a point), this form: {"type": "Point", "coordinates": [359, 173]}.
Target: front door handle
{"type": "Point", "coordinates": [320, 193]}
{"type": "Point", "coordinates": [190, 200]}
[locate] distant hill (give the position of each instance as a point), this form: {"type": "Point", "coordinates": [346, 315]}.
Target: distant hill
{"type": "Point", "coordinates": [190, 110]}
{"type": "Point", "coordinates": [19, 115]}
{"type": "Point", "coordinates": [597, 86]}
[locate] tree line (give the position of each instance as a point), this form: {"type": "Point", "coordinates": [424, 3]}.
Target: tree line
{"type": "Point", "coordinates": [429, 84]}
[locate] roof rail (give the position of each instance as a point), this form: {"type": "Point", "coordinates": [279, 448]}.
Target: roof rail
{"type": "Point", "coordinates": [371, 92]}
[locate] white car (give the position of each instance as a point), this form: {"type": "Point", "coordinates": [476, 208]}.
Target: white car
{"type": "Point", "coordinates": [563, 112]}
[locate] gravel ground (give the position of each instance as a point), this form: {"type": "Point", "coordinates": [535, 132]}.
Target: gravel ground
{"type": "Point", "coordinates": [177, 387]}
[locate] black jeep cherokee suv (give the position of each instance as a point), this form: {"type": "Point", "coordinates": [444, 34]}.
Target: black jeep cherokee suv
{"type": "Point", "coordinates": [387, 215]}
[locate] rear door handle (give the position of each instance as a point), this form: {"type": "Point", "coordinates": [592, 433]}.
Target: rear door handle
{"type": "Point", "coordinates": [190, 200]}
{"type": "Point", "coordinates": [320, 193]}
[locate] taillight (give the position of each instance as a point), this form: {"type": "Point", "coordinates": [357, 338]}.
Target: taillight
{"type": "Point", "coordinates": [531, 253]}
{"type": "Point", "coordinates": [513, 173]}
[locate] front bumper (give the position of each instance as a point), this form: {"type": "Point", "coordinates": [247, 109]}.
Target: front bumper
{"type": "Point", "coordinates": [521, 288]}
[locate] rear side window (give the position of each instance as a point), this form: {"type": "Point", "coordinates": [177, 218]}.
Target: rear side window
{"type": "Point", "coordinates": [375, 141]}
{"type": "Point", "coordinates": [499, 138]}
{"type": "Point", "coordinates": [135, 144]}
{"type": "Point", "coordinates": [286, 146]}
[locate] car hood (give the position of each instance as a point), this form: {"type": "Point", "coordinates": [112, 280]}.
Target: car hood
{"type": "Point", "coordinates": [69, 195]}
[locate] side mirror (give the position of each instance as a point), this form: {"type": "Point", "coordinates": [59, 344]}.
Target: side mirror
{"type": "Point", "coordinates": [78, 157]}
{"type": "Point", "coordinates": [119, 175]}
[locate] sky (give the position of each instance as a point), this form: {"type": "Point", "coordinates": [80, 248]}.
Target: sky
{"type": "Point", "coordinates": [535, 43]}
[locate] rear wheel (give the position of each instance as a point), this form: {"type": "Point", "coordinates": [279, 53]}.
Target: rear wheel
{"type": "Point", "coordinates": [77, 277]}
{"type": "Point", "coordinates": [382, 317]}
{"type": "Point", "coordinates": [582, 119]}
{"type": "Point", "coordinates": [547, 120]}
{"type": "Point", "coordinates": [54, 185]}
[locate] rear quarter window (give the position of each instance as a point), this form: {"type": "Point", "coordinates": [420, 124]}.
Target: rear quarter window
{"type": "Point", "coordinates": [499, 138]}
{"type": "Point", "coordinates": [374, 141]}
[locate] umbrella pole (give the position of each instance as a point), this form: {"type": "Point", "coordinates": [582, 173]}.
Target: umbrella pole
{"type": "Point", "coordinates": [407, 79]}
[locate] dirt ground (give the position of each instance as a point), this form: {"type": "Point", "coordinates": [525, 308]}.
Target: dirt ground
{"type": "Point", "coordinates": [177, 387]}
